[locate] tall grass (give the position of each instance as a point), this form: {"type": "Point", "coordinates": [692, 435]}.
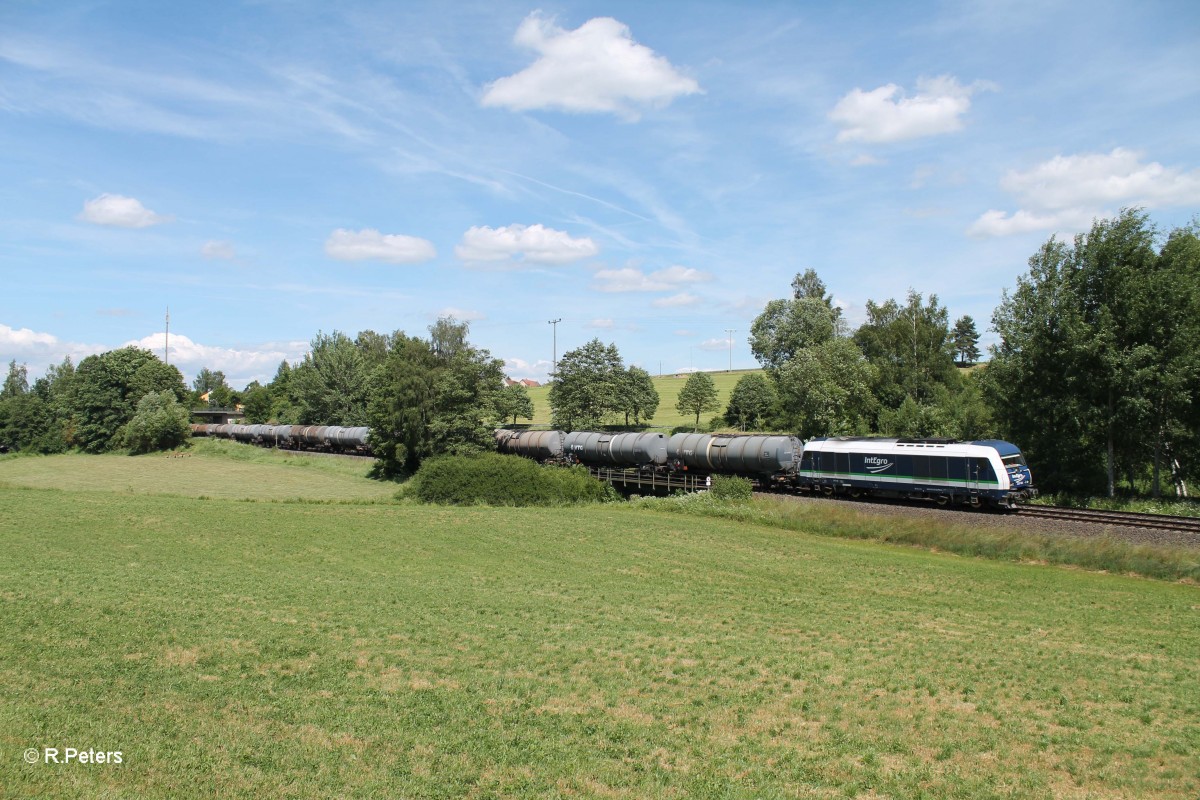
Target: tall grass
{"type": "Point", "coordinates": [1003, 544]}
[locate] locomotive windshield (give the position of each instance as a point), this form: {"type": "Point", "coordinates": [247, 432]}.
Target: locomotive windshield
{"type": "Point", "coordinates": [1015, 460]}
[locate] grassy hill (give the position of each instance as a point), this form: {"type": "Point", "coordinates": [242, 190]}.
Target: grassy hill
{"type": "Point", "coordinates": [668, 387]}
{"type": "Point", "coordinates": [231, 646]}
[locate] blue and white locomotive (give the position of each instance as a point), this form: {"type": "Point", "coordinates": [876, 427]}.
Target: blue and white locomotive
{"type": "Point", "coordinates": [986, 472]}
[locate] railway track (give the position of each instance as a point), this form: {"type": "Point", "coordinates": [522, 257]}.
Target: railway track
{"type": "Point", "coordinates": [1130, 519]}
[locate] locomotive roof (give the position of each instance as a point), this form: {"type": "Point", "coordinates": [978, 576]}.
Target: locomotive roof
{"type": "Point", "coordinates": [1001, 447]}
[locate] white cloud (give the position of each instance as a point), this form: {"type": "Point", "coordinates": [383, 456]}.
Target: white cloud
{"type": "Point", "coordinates": [461, 314]}
{"type": "Point", "coordinates": [518, 368]}
{"type": "Point", "coordinates": [1098, 179]}
{"type": "Point", "coordinates": [534, 244]}
{"type": "Point", "coordinates": [256, 362]}
{"type": "Point", "coordinates": [866, 160]}
{"type": "Point", "coordinates": [684, 332]}
{"type": "Point", "coordinates": [1068, 192]}
{"type": "Point", "coordinates": [714, 345]}
{"type": "Point", "coordinates": [371, 245]}
{"type": "Point", "coordinates": [24, 339]}
{"type": "Point", "coordinates": [597, 67]}
{"type": "Point", "coordinates": [887, 115]}
{"type": "Point", "coordinates": [222, 251]}
{"type": "Point", "coordinates": [634, 280]}
{"type": "Point", "coordinates": [603, 324]}
{"type": "Point", "coordinates": [1000, 223]}
{"type": "Point", "coordinates": [240, 365]}
{"type": "Point", "coordinates": [39, 350]}
{"type": "Point", "coordinates": [676, 300]}
{"type": "Point", "coordinates": [120, 212]}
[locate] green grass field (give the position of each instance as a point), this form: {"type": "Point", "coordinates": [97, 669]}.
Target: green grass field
{"type": "Point", "coordinates": [668, 387]}
{"type": "Point", "coordinates": [239, 647]}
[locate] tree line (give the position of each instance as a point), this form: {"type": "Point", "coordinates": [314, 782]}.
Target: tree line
{"type": "Point", "coordinates": [1096, 373]}
{"type": "Point", "coordinates": [421, 396]}
{"type": "Point", "coordinates": [1095, 376]}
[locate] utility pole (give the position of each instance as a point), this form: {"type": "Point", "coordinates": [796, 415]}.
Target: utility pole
{"type": "Point", "coordinates": [554, 367]}
{"type": "Point", "coordinates": [730, 332]}
{"type": "Point", "coordinates": [167, 339]}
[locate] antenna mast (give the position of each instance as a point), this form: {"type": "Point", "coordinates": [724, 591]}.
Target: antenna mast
{"type": "Point", "coordinates": [167, 339]}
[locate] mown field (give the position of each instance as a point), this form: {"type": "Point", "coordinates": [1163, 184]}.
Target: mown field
{"type": "Point", "coordinates": [236, 642]}
{"type": "Point", "coordinates": [668, 387]}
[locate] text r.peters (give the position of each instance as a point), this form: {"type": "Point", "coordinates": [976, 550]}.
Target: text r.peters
{"type": "Point", "coordinates": [69, 755]}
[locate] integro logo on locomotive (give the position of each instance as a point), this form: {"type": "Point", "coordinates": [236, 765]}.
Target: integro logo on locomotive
{"type": "Point", "coordinates": [877, 463]}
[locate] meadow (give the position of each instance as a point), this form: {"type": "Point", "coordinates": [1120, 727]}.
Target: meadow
{"type": "Point", "coordinates": [668, 387]}
{"type": "Point", "coordinates": [244, 637]}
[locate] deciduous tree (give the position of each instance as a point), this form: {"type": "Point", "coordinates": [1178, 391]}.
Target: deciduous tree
{"type": "Point", "coordinates": [1096, 368]}
{"type": "Point", "coordinates": [106, 389]}
{"type": "Point", "coordinates": [826, 391]}
{"type": "Point", "coordinates": [698, 395]}
{"type": "Point", "coordinates": [330, 385]}
{"type": "Point", "coordinates": [785, 327]}
{"type": "Point", "coordinates": [751, 403]}
{"type": "Point", "coordinates": [587, 386]}
{"type": "Point", "coordinates": [160, 423]}
{"type": "Point", "coordinates": [909, 347]}
{"type": "Point", "coordinates": [640, 396]}
{"type": "Point", "coordinates": [514, 401]}
{"type": "Point", "coordinates": [433, 397]}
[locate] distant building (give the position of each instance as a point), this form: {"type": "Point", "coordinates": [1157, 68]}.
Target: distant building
{"type": "Point", "coordinates": [528, 383]}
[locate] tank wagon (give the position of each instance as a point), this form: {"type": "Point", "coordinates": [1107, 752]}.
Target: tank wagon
{"type": "Point", "coordinates": [622, 450]}
{"type": "Point", "coordinates": [328, 438]}
{"type": "Point", "coordinates": [538, 445]}
{"type": "Point", "coordinates": [986, 472]}
{"type": "Point", "coordinates": [762, 457]}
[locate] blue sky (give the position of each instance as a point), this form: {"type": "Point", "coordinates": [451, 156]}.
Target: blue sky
{"type": "Point", "coordinates": [650, 173]}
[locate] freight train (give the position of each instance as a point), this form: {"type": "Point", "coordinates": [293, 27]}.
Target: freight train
{"type": "Point", "coordinates": [984, 473]}
{"type": "Point", "coordinates": [323, 438]}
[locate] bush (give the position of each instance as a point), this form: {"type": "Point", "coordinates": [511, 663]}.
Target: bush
{"type": "Point", "coordinates": [160, 423]}
{"type": "Point", "coordinates": [731, 488]}
{"type": "Point", "coordinates": [503, 480]}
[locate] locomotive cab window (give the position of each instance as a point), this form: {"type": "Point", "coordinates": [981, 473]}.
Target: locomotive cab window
{"type": "Point", "coordinates": [1015, 460]}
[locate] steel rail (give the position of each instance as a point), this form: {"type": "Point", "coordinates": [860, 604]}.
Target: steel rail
{"type": "Point", "coordinates": [1130, 519]}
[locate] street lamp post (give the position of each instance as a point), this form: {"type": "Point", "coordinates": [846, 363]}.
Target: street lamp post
{"type": "Point", "coordinates": [554, 363]}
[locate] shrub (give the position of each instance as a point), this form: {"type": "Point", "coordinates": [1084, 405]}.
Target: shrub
{"type": "Point", "coordinates": [503, 480]}
{"type": "Point", "coordinates": [731, 488]}
{"type": "Point", "coordinates": [160, 423]}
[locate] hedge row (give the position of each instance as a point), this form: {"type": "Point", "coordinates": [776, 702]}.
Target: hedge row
{"type": "Point", "coordinates": [501, 480]}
